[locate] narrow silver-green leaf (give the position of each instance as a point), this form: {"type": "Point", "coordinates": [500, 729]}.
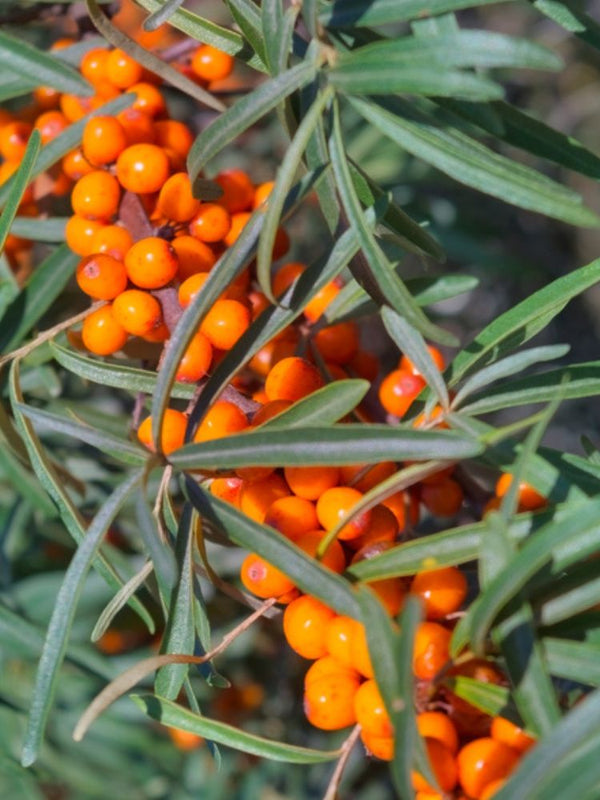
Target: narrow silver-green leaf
{"type": "Point", "coordinates": [351, 13]}
{"type": "Point", "coordinates": [19, 185]}
{"type": "Point", "coordinates": [323, 407]}
{"type": "Point", "coordinates": [50, 230]}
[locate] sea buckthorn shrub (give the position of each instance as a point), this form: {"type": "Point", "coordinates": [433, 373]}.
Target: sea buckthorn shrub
{"type": "Point", "coordinates": [267, 377]}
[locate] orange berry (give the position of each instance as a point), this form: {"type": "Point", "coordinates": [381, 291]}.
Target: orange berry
{"type": "Point", "coordinates": [304, 624]}
{"type": "Point", "coordinates": [175, 199]}
{"type": "Point", "coordinates": [336, 504]}
{"type": "Point", "coordinates": [194, 256]}
{"type": "Point", "coordinates": [379, 746]}
{"type": "Point", "coordinates": [142, 168]}
{"type": "Point", "coordinates": [263, 579]}
{"type": "Point", "coordinates": [96, 195]}
{"type": "Point", "coordinates": [257, 496]}
{"type": "Point", "coordinates": [172, 433]}
{"type": "Point", "coordinates": [159, 334]}
{"type": "Point", "coordinates": [435, 419]}
{"type": "Point", "coordinates": [528, 498]}
{"type": "Point", "coordinates": [211, 223]}
{"type": "Point", "coordinates": [50, 124]}
{"type": "Point", "coordinates": [431, 650]}
{"type": "Point", "coordinates": [436, 725]}
{"type": "Point", "coordinates": [329, 701]}
{"type": "Point", "coordinates": [190, 288]}
{"type": "Point", "coordinates": [101, 277]}
{"type": "Point", "coordinates": [366, 476]}
{"type": "Point", "coordinates": [438, 360]}
{"type": "Point", "coordinates": [185, 740]}
{"type": "Point", "coordinates": [75, 108]}
{"type": "Point", "coordinates": [196, 360]}
{"type": "Point", "coordinates": [482, 761]}
{"type": "Point", "coordinates": [151, 263]}
{"type": "Point", "coordinates": [503, 730]}
{"type": "Point", "coordinates": [383, 528]}
{"type": "Point", "coordinates": [443, 766]}
{"type": "Point", "coordinates": [359, 649]}
{"type": "Point", "coordinates": [365, 365]}
{"type": "Point", "coordinates": [93, 65]}
{"type": "Point", "coordinates": [103, 140]}
{"type": "Point", "coordinates": [292, 379]}
{"type": "Point", "coordinates": [398, 390]}
{"type": "Point", "coordinates": [338, 343]}
{"type": "Point", "coordinates": [340, 632]}
{"type": "Point", "coordinates": [238, 191]}
{"type": "Point", "coordinates": [492, 788]}
{"type": "Point", "coordinates": [316, 307]}
{"type": "Point", "coordinates": [114, 240]}
{"type": "Point", "coordinates": [211, 64]}
{"type": "Point", "coordinates": [371, 713]}
{"type": "Point", "coordinates": [75, 165]}
{"type": "Point", "coordinates": [222, 419]}
{"type": "Point", "coordinates": [269, 410]}
{"type": "Point", "coordinates": [101, 333]}
{"type": "Point", "coordinates": [227, 489]}
{"type": "Point", "coordinates": [311, 482]}
{"type": "Point", "coordinates": [174, 136]}
{"type": "Point", "coordinates": [138, 126]}
{"type": "Point", "coordinates": [292, 516]}
{"type": "Point", "coordinates": [400, 504]}
{"type": "Point", "coordinates": [148, 99]}
{"type": "Point", "coordinates": [122, 70]}
{"type": "Point", "coordinates": [327, 665]}
{"type": "Point", "coordinates": [442, 591]}
{"type": "Point", "coordinates": [261, 193]}
{"type": "Point", "coordinates": [443, 498]}
{"type": "Point", "coordinates": [13, 140]}
{"type": "Point", "coordinates": [238, 222]}
{"type": "Point", "coordinates": [225, 322]}
{"type": "Point", "coordinates": [80, 233]}
{"type": "Point", "coordinates": [137, 311]}
{"type": "Point", "coordinates": [334, 558]}
{"type": "Point", "coordinates": [273, 352]}
{"type": "Point", "coordinates": [285, 276]}
{"type": "Point", "coordinates": [46, 97]}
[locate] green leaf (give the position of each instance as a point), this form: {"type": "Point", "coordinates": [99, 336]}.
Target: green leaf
{"type": "Point", "coordinates": [323, 407]}
{"type": "Point", "coordinates": [62, 618]}
{"type": "Point", "coordinates": [488, 697]}
{"type": "Point", "coordinates": [517, 325]}
{"type": "Point", "coordinates": [568, 16]}
{"type": "Point", "coordinates": [119, 600]}
{"type": "Point", "coordinates": [335, 445]}
{"type": "Point", "coordinates": [574, 661]}
{"type": "Point", "coordinates": [50, 230]}
{"type": "Point", "coordinates": [13, 471]}
{"type": "Point", "coordinates": [162, 15]}
{"type": "Point", "coordinates": [351, 13]}
{"type": "Point", "coordinates": [244, 113]}
{"type": "Point", "coordinates": [278, 30]}
{"type": "Point", "coordinates": [471, 163]}
{"type": "Point", "coordinates": [575, 592]}
{"type": "Point", "coordinates": [248, 18]}
{"type": "Point", "coordinates": [175, 716]}
{"type": "Point", "coordinates": [18, 57]}
{"type": "Point", "coordinates": [20, 183]}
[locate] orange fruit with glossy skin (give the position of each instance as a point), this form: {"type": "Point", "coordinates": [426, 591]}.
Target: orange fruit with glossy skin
{"type": "Point", "coordinates": [379, 746]}
{"type": "Point", "coordinates": [334, 557]}
{"type": "Point", "coordinates": [137, 311]}
{"type": "Point", "coordinates": [431, 650]}
{"type": "Point", "coordinates": [75, 165]}
{"type": "Point", "coordinates": [122, 70]}
{"type": "Point", "coordinates": [442, 498]}
{"type": "Point", "coordinates": [101, 277]}
{"type": "Point", "coordinates": [143, 168]}
{"type": "Point", "coordinates": [442, 591]}
{"type": "Point", "coordinates": [311, 482]}
{"type": "Point", "coordinates": [338, 343]}
{"type": "Point", "coordinates": [80, 233]}
{"type": "Point", "coordinates": [261, 193]}
{"type": "Point", "coordinates": [222, 419]}
{"type": "Point", "coordinates": [403, 503]}
{"type": "Point", "coordinates": [151, 263]}
{"type": "Point", "coordinates": [318, 304]}
{"type": "Point", "coordinates": [194, 256]}
{"type": "Point", "coordinates": [257, 496]}
{"type": "Point", "coordinates": [75, 108]}
{"type": "Point", "coordinates": [138, 126]}
{"type": "Point", "coordinates": [304, 624]}
{"type": "Point", "coordinates": [148, 99]}
{"type": "Point", "coordinates": [492, 788]}
{"type": "Point", "coordinates": [227, 489]}
{"type": "Point", "coordinates": [483, 761]}
{"type": "Point", "coordinates": [398, 390]}
{"type": "Point", "coordinates": [327, 665]}
{"type": "Point", "coordinates": [479, 670]}
{"type": "Point", "coordinates": [438, 359]}
{"type": "Point", "coordinates": [443, 766]}
{"type": "Point", "coordinates": [101, 333]}
{"type": "Point", "coordinates": [172, 433]}
{"type": "Point", "coordinates": [50, 124]}
{"type": "Point", "coordinates": [96, 196]}
{"type": "Point", "coordinates": [383, 529]}
{"type": "Point", "coordinates": [13, 140]}
{"type": "Point", "coordinates": [437, 725]}
{"type": "Point", "coordinates": [238, 191]}
{"type": "Point", "coordinates": [334, 505]}
{"type": "Point", "coordinates": [211, 223]}
{"type": "Point", "coordinates": [285, 276]}
{"type": "Point", "coordinates": [366, 476]}
{"type": "Point", "coordinates": [226, 321]}
{"type": "Point", "coordinates": [263, 579]}
{"type": "Point", "coordinates": [339, 635]}
{"type": "Point", "coordinates": [238, 222]}
{"type": "Point", "coordinates": [175, 199]}
{"type": "Point", "coordinates": [103, 140]}
{"type": "Point", "coordinates": [292, 379]}
{"type": "Point", "coordinates": [174, 136]}
{"type": "Point", "coordinates": [93, 64]}
{"type": "Point", "coordinates": [269, 410]}
{"type": "Point", "coordinates": [292, 516]}
{"type": "Point", "coordinates": [185, 740]}
{"type": "Point", "coordinates": [329, 701]}
{"type": "Point", "coordinates": [359, 649]}
{"type": "Point", "coordinates": [528, 498]}
{"type": "Point", "coordinates": [196, 360]}
{"type": "Point", "coordinates": [365, 365]}
{"type": "Point", "coordinates": [190, 288]}
{"type": "Point", "coordinates": [503, 730]}
{"type": "Point", "coordinates": [159, 334]}
{"type": "Point", "coordinates": [370, 710]}
{"type": "Point", "coordinates": [113, 240]}
{"type": "Point", "coordinates": [211, 64]}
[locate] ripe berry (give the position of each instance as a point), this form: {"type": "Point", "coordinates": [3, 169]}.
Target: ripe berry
{"type": "Point", "coordinates": [80, 233]}
{"type": "Point", "coordinates": [398, 390]}
{"type": "Point", "coordinates": [222, 419]}
{"type": "Point", "coordinates": [315, 307]}
{"type": "Point", "coordinates": [482, 761]}
{"type": "Point", "coordinates": [93, 65]}
{"type": "Point", "coordinates": [528, 498]}
{"type": "Point", "coordinates": [361, 657]}
{"type": "Point", "coordinates": [327, 665]}
{"type": "Point", "coordinates": [143, 168]}
{"type": "Point", "coordinates": [366, 476]}
{"type": "Point", "coordinates": [443, 498]}
{"type": "Point", "coordinates": [339, 635]}
{"type": "Point", "coordinates": [190, 288]}
{"type": "Point", "coordinates": [338, 343]}
{"type": "Point", "coordinates": [443, 765]}
{"type": "Point", "coordinates": [172, 432]}
{"type": "Point", "coordinates": [304, 624]}
{"type": "Point", "coordinates": [101, 333]}
{"type": "Point", "coordinates": [227, 489]}
{"type": "Point", "coordinates": [151, 263]}
{"type": "Point", "coordinates": [101, 277]}
{"type": "Point", "coordinates": [292, 379]}
{"type": "Point", "coordinates": [138, 126]}
{"type": "Point", "coordinates": [194, 256]}
{"type": "Point", "coordinates": [211, 64]}
{"type": "Point", "coordinates": [75, 165]}
{"type": "Point", "coordinates": [371, 713]}
{"type": "Point", "coordinates": [113, 240]}
{"type": "Point", "coordinates": [211, 223]}
{"type": "Point", "coordinates": [148, 99]}
{"type": "Point", "coordinates": [257, 496]}
{"type": "Point", "coordinates": [334, 558]}
{"type": "Point", "coordinates": [438, 360]}
{"type": "Point", "coordinates": [442, 591]}
{"type": "Point", "coordinates": [137, 311]}
{"type": "Point", "coordinates": [383, 528]}
{"type": "Point", "coordinates": [285, 276]}
{"type": "Point", "coordinates": [263, 579]}
{"type": "Point", "coordinates": [196, 360]}
{"type": "Point", "coordinates": [431, 650]}
{"type": "Point", "coordinates": [379, 746]}
{"type": "Point", "coordinates": [122, 70]}
{"type": "Point", "coordinates": [13, 140]}
{"type": "Point", "coordinates": [103, 140]}
{"type": "Point", "coordinates": [175, 200]}
{"type": "Point", "coordinates": [225, 322]}
{"type": "Point", "coordinates": [174, 136]}
{"type": "Point", "coordinates": [292, 516]}
{"type": "Point", "coordinates": [329, 701]}
{"type": "Point", "coordinates": [336, 504]}
{"type": "Point", "coordinates": [503, 730]}
{"type": "Point", "coordinates": [50, 124]}
{"type": "Point", "coordinates": [96, 196]}
{"type": "Point", "coordinates": [238, 191]}
{"type": "Point", "coordinates": [436, 725]}
{"type": "Point", "coordinates": [311, 482]}
{"type": "Point", "coordinates": [261, 193]}
{"type": "Point", "coordinates": [185, 740]}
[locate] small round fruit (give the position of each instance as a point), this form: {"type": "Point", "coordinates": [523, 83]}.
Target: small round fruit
{"type": "Point", "coordinates": [329, 701]}
{"type": "Point", "coordinates": [211, 64]}
{"type": "Point", "coordinates": [442, 591]}
{"type": "Point", "coordinates": [398, 391]}
{"type": "Point", "coordinates": [482, 761]}
{"type": "Point", "coordinates": [222, 419]}
{"type": "Point", "coordinates": [335, 505]}
{"type": "Point", "coordinates": [103, 140]}
{"type": "Point", "coordinates": [101, 277]}
{"type": "Point", "coordinates": [292, 379]}
{"type": "Point", "coordinates": [371, 713]}
{"type": "Point", "coordinates": [101, 333]}
{"type": "Point", "coordinates": [96, 196]}
{"type": "Point", "coordinates": [225, 323]}
{"type": "Point", "coordinates": [151, 263]}
{"type": "Point", "coordinates": [137, 311]}
{"type": "Point", "coordinates": [431, 650]}
{"type": "Point", "coordinates": [304, 625]}
{"type": "Point", "coordinates": [172, 433]}
{"type": "Point", "coordinates": [263, 579]}
{"type": "Point", "coordinates": [143, 168]}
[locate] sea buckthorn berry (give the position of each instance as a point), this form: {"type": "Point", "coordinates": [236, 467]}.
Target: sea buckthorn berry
{"type": "Point", "coordinates": [159, 334]}
{"type": "Point", "coordinates": [318, 304]}
{"type": "Point", "coordinates": [366, 476]}
{"type": "Point", "coordinates": [46, 97]}
{"type": "Point", "coordinates": [371, 713]}
{"type": "Point", "coordinates": [175, 199]}
{"type": "Point", "coordinates": [194, 256]}
{"type": "Point", "coordinates": [114, 240]}
{"type": "Point", "coordinates": [142, 168]}
{"type": "Point", "coordinates": [137, 311]}
{"type": "Point", "coordinates": [431, 650]}
{"type": "Point", "coordinates": [225, 322]}
{"type": "Point", "coordinates": [222, 419]}
{"type": "Point", "coordinates": [503, 730]}
{"type": "Point", "coordinates": [311, 482]}
{"type": "Point", "coordinates": [403, 503]}
{"type": "Point", "coordinates": [528, 498]}
{"type": "Point", "coordinates": [190, 288]}
{"type": "Point", "coordinates": [338, 343]}
{"type": "Point", "coordinates": [93, 65]}
{"type": "Point", "coordinates": [50, 124]}
{"type": "Point", "coordinates": [329, 701]}
{"type": "Point", "coordinates": [148, 99]}
{"type": "Point", "coordinates": [383, 529]}
{"type": "Point", "coordinates": [196, 360]}
{"type": "Point", "coordinates": [379, 746]}
{"type": "Point", "coordinates": [442, 591]}
{"type": "Point", "coordinates": [263, 579]}
{"type": "Point", "coordinates": [436, 725]}
{"type": "Point", "coordinates": [262, 192]}
{"type": "Point", "coordinates": [269, 410]}
{"type": "Point", "coordinates": [438, 360]}
{"type": "Point", "coordinates": [96, 195]}
{"type": "Point", "coordinates": [327, 665]}
{"type": "Point", "coordinates": [361, 658]}
{"type": "Point", "coordinates": [172, 433]}
{"type": "Point", "coordinates": [211, 64]}
{"type": "Point", "coordinates": [292, 516]}
{"type": "Point", "coordinates": [75, 108]}
{"type": "Point", "coordinates": [492, 788]}
{"type": "Point", "coordinates": [227, 489]}
{"type": "Point", "coordinates": [482, 761]}
{"type": "Point", "coordinates": [431, 419]}
{"type": "Point", "coordinates": [257, 496]}
{"type": "Point", "coordinates": [101, 333]}
{"type": "Point", "coordinates": [211, 222]}
{"type": "Point", "coordinates": [443, 498]}
{"type": "Point", "coordinates": [185, 740]}
{"type": "Point", "coordinates": [238, 191]}
{"type": "Point", "coordinates": [365, 365]}
{"type": "Point", "coordinates": [274, 351]}
{"type": "Point", "coordinates": [443, 766]}
{"type": "Point", "coordinates": [174, 135]}
{"type": "Point", "coordinates": [281, 244]}
{"type": "Point", "coordinates": [138, 126]}
{"type": "Point", "coordinates": [80, 233]}
{"type": "Point", "coordinates": [13, 140]}
{"type": "Point", "coordinates": [75, 165]}
{"type": "Point", "coordinates": [398, 391]}
{"type": "Point", "coordinates": [304, 624]}
{"type": "Point", "coordinates": [122, 70]}
{"type": "Point", "coordinates": [339, 635]}
{"type": "Point", "coordinates": [285, 276]}
{"type": "Point", "coordinates": [292, 379]}
{"type": "Point", "coordinates": [333, 558]}
{"type": "Point", "coordinates": [335, 505]}
{"type": "Point", "coordinates": [151, 263]}
{"type": "Point", "coordinates": [103, 140]}
{"type": "Point", "coordinates": [101, 277]}
{"type": "Point", "coordinates": [238, 222]}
